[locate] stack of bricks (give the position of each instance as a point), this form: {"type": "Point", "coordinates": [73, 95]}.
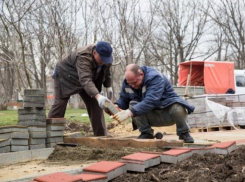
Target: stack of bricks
{"type": "Point", "coordinates": [19, 139]}
{"type": "Point", "coordinates": [13, 138]}
{"type": "Point", "coordinates": [33, 115]}
{"type": "Point", "coordinates": [55, 131]}
{"type": "Point", "coordinates": [204, 117]}
{"type": "Point", "coordinates": [5, 139]}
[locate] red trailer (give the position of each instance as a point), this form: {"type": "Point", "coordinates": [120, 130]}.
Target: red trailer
{"type": "Point", "coordinates": [216, 76]}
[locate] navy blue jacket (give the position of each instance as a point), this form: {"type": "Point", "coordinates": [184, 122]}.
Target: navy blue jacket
{"type": "Point", "coordinates": [155, 92]}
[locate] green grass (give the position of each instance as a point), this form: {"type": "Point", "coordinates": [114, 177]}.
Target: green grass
{"type": "Point", "coordinates": [10, 117]}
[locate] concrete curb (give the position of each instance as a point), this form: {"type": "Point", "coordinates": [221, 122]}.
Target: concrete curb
{"type": "Point", "coordinates": [24, 156]}
{"type": "Point", "coordinates": [72, 172]}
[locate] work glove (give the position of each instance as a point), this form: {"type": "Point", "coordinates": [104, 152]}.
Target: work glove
{"type": "Point", "coordinates": [101, 101]}
{"type": "Point", "coordinates": [109, 92]}
{"type": "Point", "coordinates": [122, 115]}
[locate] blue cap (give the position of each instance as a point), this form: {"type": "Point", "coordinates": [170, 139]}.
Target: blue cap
{"type": "Point", "coordinates": [104, 49]}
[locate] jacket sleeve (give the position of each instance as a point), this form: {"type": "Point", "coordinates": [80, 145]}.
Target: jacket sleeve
{"type": "Point", "coordinates": [123, 101]}
{"type": "Point", "coordinates": [154, 91]}
{"type": "Point", "coordinates": [85, 74]}
{"type": "Point", "coordinates": [107, 82]}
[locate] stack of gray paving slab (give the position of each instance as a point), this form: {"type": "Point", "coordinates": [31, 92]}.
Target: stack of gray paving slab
{"type": "Point", "coordinates": [19, 138]}
{"type": "Point", "coordinates": [33, 115]}
{"type": "Point", "coordinates": [55, 131]}
{"type": "Point", "coordinates": [5, 139]}
{"type": "Point", "coordinates": [203, 115]}
{"type": "Point", "coordinates": [37, 137]}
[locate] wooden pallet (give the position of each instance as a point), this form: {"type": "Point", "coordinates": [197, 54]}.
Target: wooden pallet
{"type": "Point", "coordinates": [213, 128]}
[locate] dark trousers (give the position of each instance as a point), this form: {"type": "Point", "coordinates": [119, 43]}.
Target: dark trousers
{"type": "Point", "coordinates": [95, 113]}
{"type": "Point", "coordinates": [173, 114]}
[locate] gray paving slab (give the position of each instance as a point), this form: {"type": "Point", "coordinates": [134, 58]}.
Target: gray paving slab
{"type": "Point", "coordinates": [31, 117]}
{"type": "Point", "coordinates": [55, 133]}
{"type": "Point", "coordinates": [4, 142]}
{"type": "Point", "coordinates": [37, 128]}
{"type": "Point", "coordinates": [19, 141]}
{"type": "Point", "coordinates": [50, 121]}
{"type": "Point", "coordinates": [16, 148]}
{"type": "Point", "coordinates": [31, 98]}
{"type": "Point", "coordinates": [20, 129]}
{"type": "Point", "coordinates": [5, 130]}
{"type": "Point", "coordinates": [55, 127]}
{"type": "Point", "coordinates": [36, 92]}
{"type": "Point", "coordinates": [22, 135]}
{"type": "Point", "coordinates": [38, 134]}
{"type": "Point", "coordinates": [32, 123]}
{"type": "Point", "coordinates": [36, 141]}
{"type": "Point", "coordinates": [41, 153]}
{"type": "Point", "coordinates": [34, 147]}
{"type": "Point", "coordinates": [32, 111]}
{"type": "Point", "coordinates": [5, 135]}
{"type": "Point", "coordinates": [24, 156]}
{"type": "Point", "coordinates": [33, 104]}
{"type": "Point", "coordinates": [5, 149]}
{"type": "Point", "coordinates": [54, 139]}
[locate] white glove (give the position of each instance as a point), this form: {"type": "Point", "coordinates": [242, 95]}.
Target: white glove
{"type": "Point", "coordinates": [109, 92]}
{"type": "Point", "coordinates": [101, 100]}
{"type": "Point", "coordinates": [122, 115]}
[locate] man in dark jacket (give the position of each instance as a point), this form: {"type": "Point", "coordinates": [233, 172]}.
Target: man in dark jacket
{"type": "Point", "coordinates": [148, 97]}
{"type": "Point", "coordinates": [83, 72]}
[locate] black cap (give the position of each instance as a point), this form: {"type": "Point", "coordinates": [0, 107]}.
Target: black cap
{"type": "Point", "coordinates": [104, 49]}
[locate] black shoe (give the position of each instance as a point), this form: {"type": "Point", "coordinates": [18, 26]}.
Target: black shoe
{"type": "Point", "coordinates": [145, 136]}
{"type": "Point", "coordinates": [186, 137]}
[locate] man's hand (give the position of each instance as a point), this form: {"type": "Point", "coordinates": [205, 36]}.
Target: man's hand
{"type": "Point", "coordinates": [123, 115]}
{"type": "Point", "coordinates": [101, 100]}
{"type": "Point", "coordinates": [109, 92]}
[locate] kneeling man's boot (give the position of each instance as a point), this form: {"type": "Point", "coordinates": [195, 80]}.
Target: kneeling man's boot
{"type": "Point", "coordinates": [186, 137]}
{"type": "Point", "coordinates": [146, 135]}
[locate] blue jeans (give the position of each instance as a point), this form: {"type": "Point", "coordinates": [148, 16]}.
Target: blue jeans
{"type": "Point", "coordinates": [173, 114]}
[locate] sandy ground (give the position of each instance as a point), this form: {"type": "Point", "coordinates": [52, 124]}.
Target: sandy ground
{"type": "Point", "coordinates": [36, 168]}
{"type": "Point", "coordinates": [40, 167]}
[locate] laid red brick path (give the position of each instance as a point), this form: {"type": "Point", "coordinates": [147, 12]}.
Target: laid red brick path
{"type": "Point", "coordinates": [107, 166]}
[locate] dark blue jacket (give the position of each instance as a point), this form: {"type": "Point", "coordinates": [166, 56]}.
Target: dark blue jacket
{"type": "Point", "coordinates": [155, 92]}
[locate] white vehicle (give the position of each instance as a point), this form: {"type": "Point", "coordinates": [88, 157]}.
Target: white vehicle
{"type": "Point", "coordinates": [239, 81]}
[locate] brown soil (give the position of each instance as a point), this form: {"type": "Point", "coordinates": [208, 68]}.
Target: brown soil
{"type": "Point", "coordinates": [198, 168]}
{"type": "Point", "coordinates": [201, 168]}
{"type": "Point", "coordinates": [82, 154]}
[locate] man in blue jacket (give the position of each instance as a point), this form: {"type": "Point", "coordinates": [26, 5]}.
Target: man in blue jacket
{"type": "Point", "coordinates": [148, 97]}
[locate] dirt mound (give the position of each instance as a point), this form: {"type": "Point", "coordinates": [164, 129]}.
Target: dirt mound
{"type": "Point", "coordinates": [81, 154]}
{"type": "Point", "coordinates": [202, 168]}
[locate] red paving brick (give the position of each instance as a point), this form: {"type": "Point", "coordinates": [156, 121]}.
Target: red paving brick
{"type": "Point", "coordinates": [103, 166]}
{"type": "Point", "coordinates": [90, 177]}
{"type": "Point", "coordinates": [56, 177]}
{"type": "Point", "coordinates": [176, 152]}
{"type": "Point", "coordinates": [223, 144]}
{"type": "Point", "coordinates": [140, 156]}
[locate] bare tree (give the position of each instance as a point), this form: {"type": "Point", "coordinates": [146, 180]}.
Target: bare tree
{"type": "Point", "coordinates": [229, 16]}
{"type": "Point", "coordinates": [182, 27]}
